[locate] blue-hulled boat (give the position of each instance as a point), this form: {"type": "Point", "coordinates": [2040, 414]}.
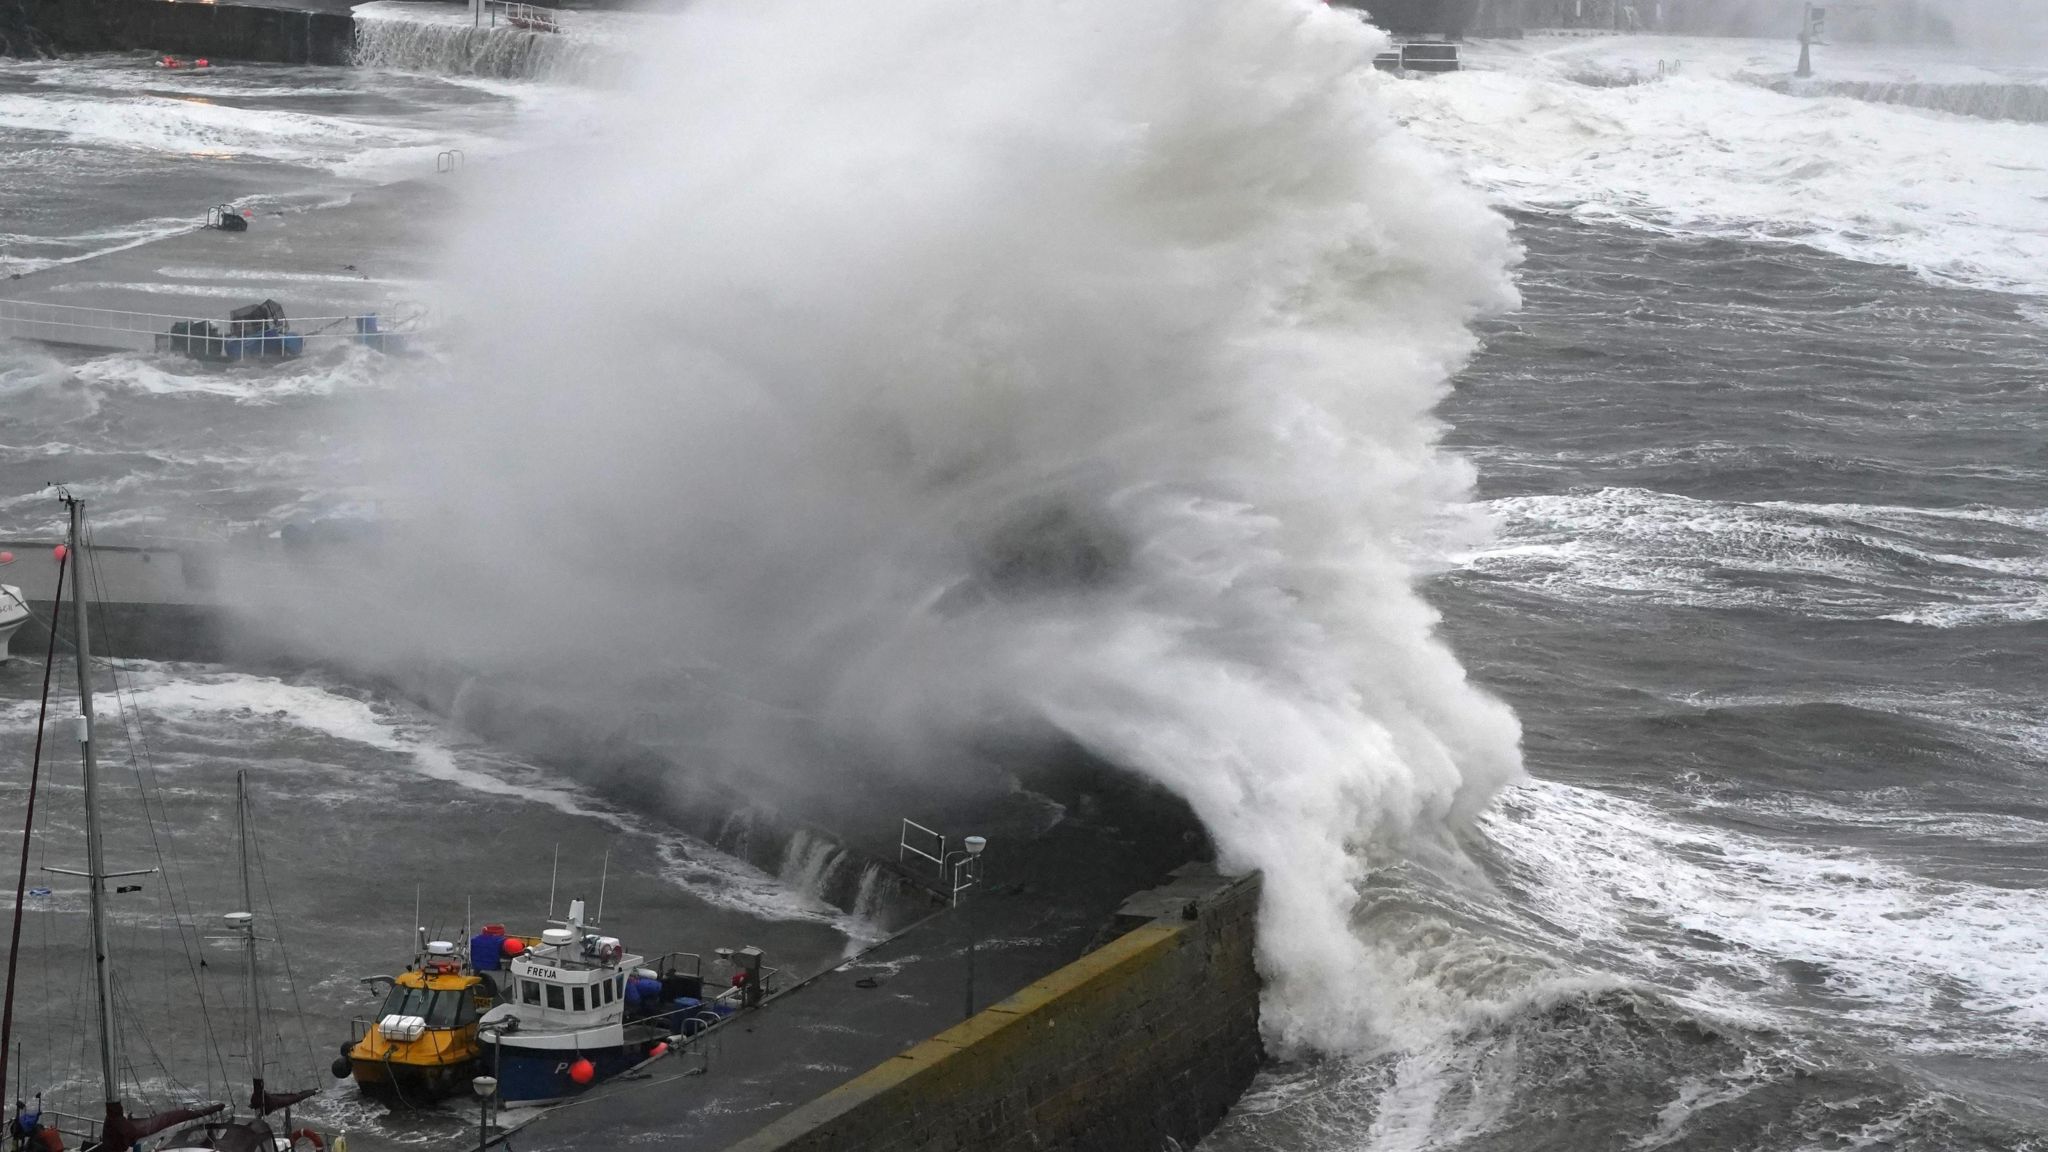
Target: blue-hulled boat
{"type": "Point", "coordinates": [579, 1010]}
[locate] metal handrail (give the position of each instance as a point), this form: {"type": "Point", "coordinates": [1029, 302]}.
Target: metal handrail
{"type": "Point", "coordinates": [903, 845]}
{"type": "Point", "coordinates": [520, 15]}
{"type": "Point", "coordinates": [969, 867]}
{"type": "Point", "coordinates": [660, 963]}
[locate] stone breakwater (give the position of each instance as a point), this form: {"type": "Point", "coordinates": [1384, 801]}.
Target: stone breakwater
{"type": "Point", "coordinates": [299, 34]}
{"type": "Point", "coordinates": [1145, 1040]}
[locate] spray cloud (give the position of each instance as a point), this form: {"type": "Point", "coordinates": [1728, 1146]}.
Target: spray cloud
{"type": "Point", "coordinates": [936, 368]}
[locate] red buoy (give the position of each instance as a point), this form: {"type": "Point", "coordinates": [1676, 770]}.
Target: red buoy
{"type": "Point", "coordinates": [60, 551]}
{"type": "Point", "coordinates": [6, 557]}
{"type": "Point", "coordinates": [659, 1050]}
{"type": "Point", "coordinates": [201, 63]}
{"type": "Point", "coordinates": [514, 946]}
{"type": "Point", "coordinates": [582, 1071]}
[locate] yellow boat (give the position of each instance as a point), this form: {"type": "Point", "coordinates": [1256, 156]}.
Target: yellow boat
{"type": "Point", "coordinates": [423, 1044]}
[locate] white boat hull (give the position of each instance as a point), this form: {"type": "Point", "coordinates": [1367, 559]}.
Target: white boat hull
{"type": "Point", "coordinates": [13, 614]}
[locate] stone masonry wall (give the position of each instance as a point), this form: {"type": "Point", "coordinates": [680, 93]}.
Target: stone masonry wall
{"type": "Point", "coordinates": [1146, 1040]}
{"type": "Point", "coordinates": [223, 31]}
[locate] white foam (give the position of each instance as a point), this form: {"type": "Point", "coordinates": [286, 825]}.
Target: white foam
{"type": "Point", "coordinates": [200, 128]}
{"type": "Point", "coordinates": [1931, 566]}
{"type": "Point", "coordinates": [1705, 153]}
{"type": "Point", "coordinates": [1901, 954]}
{"type": "Point", "coordinates": [342, 368]}
{"type": "Point", "coordinates": [182, 692]}
{"type": "Point", "coordinates": [732, 883]}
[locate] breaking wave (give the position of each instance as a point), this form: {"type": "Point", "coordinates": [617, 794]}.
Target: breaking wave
{"type": "Point", "coordinates": [938, 373]}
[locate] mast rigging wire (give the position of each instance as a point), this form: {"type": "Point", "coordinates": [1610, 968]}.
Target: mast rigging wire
{"type": "Point", "coordinates": [28, 827]}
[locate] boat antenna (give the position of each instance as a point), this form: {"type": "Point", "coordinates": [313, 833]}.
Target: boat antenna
{"type": "Point", "coordinates": [552, 874]}
{"type": "Point", "coordinates": [419, 930]}
{"type": "Point", "coordinates": [28, 825]}
{"type": "Point", "coordinates": [601, 878]}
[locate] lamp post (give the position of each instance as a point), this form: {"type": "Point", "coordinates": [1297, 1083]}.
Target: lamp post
{"type": "Point", "coordinates": [485, 1087]}
{"type": "Point", "coordinates": [1805, 42]}
{"type": "Point", "coordinates": [974, 844]}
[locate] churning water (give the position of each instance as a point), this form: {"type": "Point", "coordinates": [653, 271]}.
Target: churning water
{"type": "Point", "coordinates": [1101, 372]}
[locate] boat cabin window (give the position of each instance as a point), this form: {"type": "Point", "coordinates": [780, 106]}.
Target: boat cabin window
{"type": "Point", "coordinates": [529, 992]}
{"type": "Point", "coordinates": [405, 1001]}
{"type": "Point", "coordinates": [449, 1008]}
{"type": "Point", "coordinates": [607, 986]}
{"type": "Point", "coordinates": [554, 995]}
{"type": "Point", "coordinates": [576, 998]}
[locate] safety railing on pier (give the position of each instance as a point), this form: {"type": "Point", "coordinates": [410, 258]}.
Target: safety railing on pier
{"type": "Point", "coordinates": [147, 331]}
{"type": "Point", "coordinates": [516, 15]}
{"type": "Point", "coordinates": [922, 842]}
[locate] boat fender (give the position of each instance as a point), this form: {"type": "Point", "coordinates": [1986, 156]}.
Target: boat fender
{"type": "Point", "coordinates": [310, 1136]}
{"type": "Point", "coordinates": [341, 1067]}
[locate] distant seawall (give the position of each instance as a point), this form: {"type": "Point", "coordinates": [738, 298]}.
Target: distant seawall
{"type": "Point", "coordinates": [292, 32]}
{"type": "Point", "coordinates": [1148, 1039]}
{"type": "Point", "coordinates": [283, 35]}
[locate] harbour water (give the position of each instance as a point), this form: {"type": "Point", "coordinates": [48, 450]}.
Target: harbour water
{"type": "Point", "coordinates": [1756, 549]}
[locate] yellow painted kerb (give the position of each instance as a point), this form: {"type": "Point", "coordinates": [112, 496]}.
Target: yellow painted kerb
{"type": "Point", "coordinates": [1134, 950]}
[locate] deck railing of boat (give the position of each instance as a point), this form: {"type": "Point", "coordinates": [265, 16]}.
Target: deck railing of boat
{"type": "Point", "coordinates": [84, 1131]}
{"type": "Point", "coordinates": [148, 331]}
{"type": "Point", "coordinates": [670, 964]}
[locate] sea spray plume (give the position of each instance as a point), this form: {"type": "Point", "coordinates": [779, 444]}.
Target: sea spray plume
{"type": "Point", "coordinates": [937, 369]}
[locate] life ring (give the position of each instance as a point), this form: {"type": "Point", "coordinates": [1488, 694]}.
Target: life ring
{"type": "Point", "coordinates": [319, 1144]}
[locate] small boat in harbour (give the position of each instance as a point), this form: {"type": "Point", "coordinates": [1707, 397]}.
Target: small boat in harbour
{"type": "Point", "coordinates": [581, 1009]}
{"type": "Point", "coordinates": [423, 1045]}
{"type": "Point", "coordinates": [547, 1016]}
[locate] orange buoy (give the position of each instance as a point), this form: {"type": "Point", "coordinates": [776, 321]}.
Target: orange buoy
{"type": "Point", "coordinates": [514, 946]}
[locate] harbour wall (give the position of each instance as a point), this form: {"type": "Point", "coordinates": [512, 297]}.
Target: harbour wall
{"type": "Point", "coordinates": [279, 35]}
{"type": "Point", "coordinates": [1143, 1043]}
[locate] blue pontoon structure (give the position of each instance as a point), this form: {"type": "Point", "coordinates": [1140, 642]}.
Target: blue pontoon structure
{"type": "Point", "coordinates": [254, 334]}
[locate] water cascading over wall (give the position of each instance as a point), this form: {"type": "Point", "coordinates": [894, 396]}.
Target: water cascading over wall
{"type": "Point", "coordinates": [2026, 103]}
{"type": "Point", "coordinates": [449, 49]}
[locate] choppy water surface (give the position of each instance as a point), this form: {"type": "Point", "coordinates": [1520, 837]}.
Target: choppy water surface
{"type": "Point", "coordinates": [1769, 592]}
{"type": "Point", "coordinates": [1769, 595]}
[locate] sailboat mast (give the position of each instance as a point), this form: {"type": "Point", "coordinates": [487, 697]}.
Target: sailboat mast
{"type": "Point", "coordinates": [95, 853]}
{"type": "Point", "coordinates": [249, 904]}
